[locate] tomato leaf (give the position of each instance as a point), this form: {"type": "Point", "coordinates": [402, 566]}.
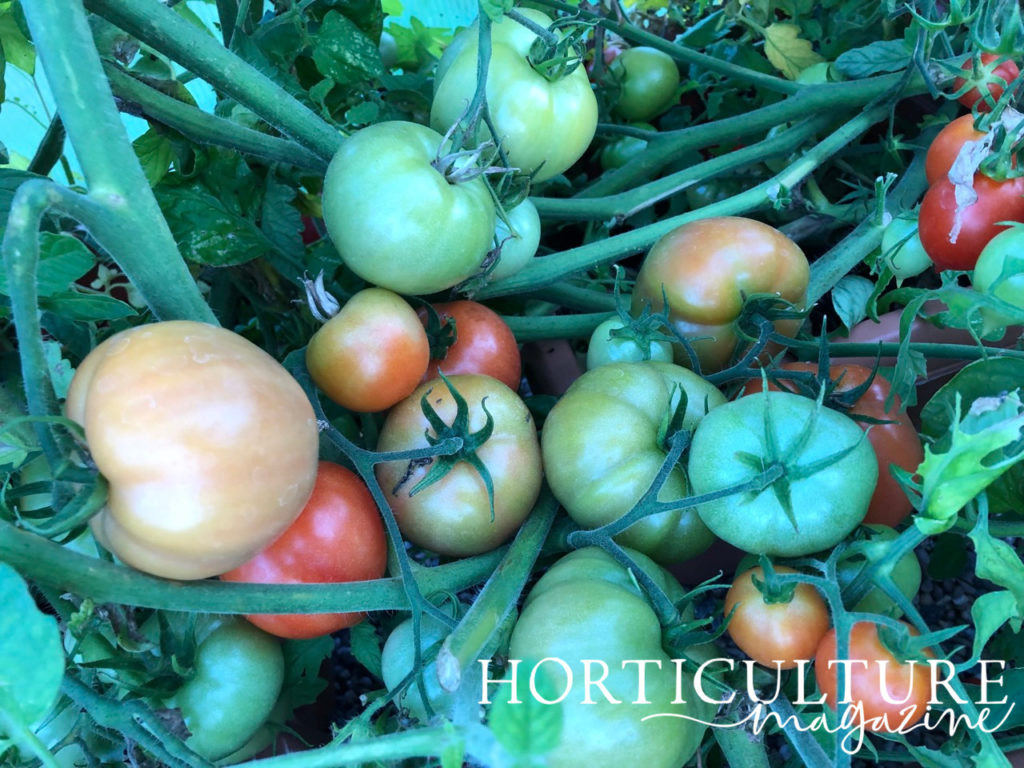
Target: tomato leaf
{"type": "Point", "coordinates": [155, 153]}
{"type": "Point", "coordinates": [366, 647]}
{"type": "Point", "coordinates": [876, 57]}
{"type": "Point", "coordinates": [990, 612]}
{"type": "Point", "coordinates": [17, 49]}
{"type": "Point", "coordinates": [62, 260]}
{"type": "Point", "coordinates": [31, 656]}
{"type": "Point", "coordinates": [344, 53]}
{"type": "Point", "coordinates": [302, 662]}
{"type": "Point", "coordinates": [850, 298]}
{"type": "Point", "coordinates": [85, 307]}
{"type": "Point", "coordinates": [787, 51]}
{"type": "Point", "coordinates": [206, 231]}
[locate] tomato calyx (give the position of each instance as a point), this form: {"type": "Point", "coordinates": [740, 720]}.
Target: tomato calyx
{"type": "Point", "coordinates": [552, 55]}
{"type": "Point", "coordinates": [773, 590]}
{"type": "Point", "coordinates": [442, 330]}
{"type": "Point", "coordinates": [469, 442]}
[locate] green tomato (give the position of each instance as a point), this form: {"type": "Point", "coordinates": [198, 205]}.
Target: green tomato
{"type": "Point", "coordinates": [237, 678]}
{"type": "Point", "coordinates": [587, 606]}
{"type": "Point", "coordinates": [902, 250]}
{"type": "Point", "coordinates": [396, 220]}
{"type": "Point", "coordinates": [601, 452]}
{"type": "Point", "coordinates": [648, 80]}
{"type": "Point", "coordinates": [1000, 273]}
{"type": "Point", "coordinates": [397, 660]}
{"type": "Point", "coordinates": [544, 126]}
{"type": "Point", "coordinates": [617, 152]}
{"type": "Point", "coordinates": [605, 348]}
{"type": "Point", "coordinates": [519, 245]}
{"type": "Point", "coordinates": [905, 573]}
{"type": "Point", "coordinates": [829, 472]}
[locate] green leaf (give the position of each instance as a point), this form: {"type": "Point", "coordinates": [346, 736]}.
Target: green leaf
{"type": "Point", "coordinates": [787, 51]}
{"type": "Point", "coordinates": [531, 727]}
{"type": "Point", "coordinates": [62, 260]}
{"type": "Point", "coordinates": [876, 57]}
{"type": "Point", "coordinates": [281, 221]}
{"type": "Point", "coordinates": [206, 231]}
{"type": "Point", "coordinates": [392, 7]}
{"type": "Point", "coordinates": [155, 153]}
{"type": "Point", "coordinates": [17, 49]}
{"type": "Point", "coordinates": [363, 113]}
{"type": "Point", "coordinates": [10, 180]}
{"type": "Point", "coordinates": [990, 612]}
{"type": "Point", "coordinates": [61, 371]}
{"type": "Point", "coordinates": [344, 53]}
{"type": "Point", "coordinates": [31, 654]}
{"type": "Point", "coordinates": [366, 648]}
{"type": "Point", "coordinates": [1011, 687]}
{"type": "Point", "coordinates": [84, 307]}
{"type": "Point", "coordinates": [850, 298]}
{"type": "Point", "coordinates": [998, 562]}
{"type": "Point", "coordinates": [303, 660]}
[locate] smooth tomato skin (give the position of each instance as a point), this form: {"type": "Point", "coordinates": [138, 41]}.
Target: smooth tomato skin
{"type": "Point", "coordinates": [587, 606]}
{"type": "Point", "coordinates": [604, 348]}
{"type": "Point", "coordinates": [601, 452]}
{"type": "Point", "coordinates": [543, 126]}
{"type": "Point", "coordinates": [826, 505]}
{"type": "Point", "coordinates": [945, 147]}
{"type": "Point", "coordinates": [338, 537]}
{"type": "Point", "coordinates": [209, 445]}
{"type": "Point", "coordinates": [902, 250]}
{"type": "Point", "coordinates": [453, 515]}
{"type": "Point", "coordinates": [648, 79]}
{"type": "Point", "coordinates": [1000, 273]}
{"type": "Point", "coordinates": [519, 245]}
{"type": "Point", "coordinates": [910, 682]}
{"type": "Point", "coordinates": [895, 443]}
{"type": "Point", "coordinates": [397, 659]}
{"type": "Point", "coordinates": [997, 201]}
{"type": "Point", "coordinates": [239, 670]}
{"type": "Point", "coordinates": [396, 221]}
{"type": "Point", "coordinates": [484, 344]}
{"type": "Point", "coordinates": [905, 573]}
{"type": "Point", "coordinates": [371, 354]}
{"type": "Point", "coordinates": [706, 268]}
{"type": "Point", "coordinates": [775, 634]}
{"type": "Point", "coordinates": [617, 152]}
{"type": "Point", "coordinates": [1007, 71]}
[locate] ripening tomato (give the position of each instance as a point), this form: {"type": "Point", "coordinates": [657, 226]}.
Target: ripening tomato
{"type": "Point", "coordinates": [473, 339]}
{"type": "Point", "coordinates": [946, 145]}
{"type": "Point", "coordinates": [338, 537]}
{"type": "Point", "coordinates": [891, 696]}
{"type": "Point", "coordinates": [775, 632]}
{"type": "Point", "coordinates": [371, 354]}
{"type": "Point", "coordinates": [995, 74]}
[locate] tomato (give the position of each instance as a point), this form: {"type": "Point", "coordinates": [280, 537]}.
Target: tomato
{"type": "Point", "coordinates": [516, 248]}
{"type": "Point", "coordinates": [895, 443]}
{"type": "Point", "coordinates": [1000, 273]}
{"type": "Point", "coordinates": [907, 684]}
{"type": "Point", "coordinates": [617, 152]}
{"type": "Point", "coordinates": [453, 515]}
{"type": "Point", "coordinates": [946, 145]}
{"type": "Point", "coordinates": [905, 572]}
{"type": "Point", "coordinates": [735, 442]}
{"type": "Point", "coordinates": [587, 606]}
{"type": "Point", "coordinates": [339, 537]}
{"type": "Point", "coordinates": [775, 633]}
{"type": "Point", "coordinates": [602, 451]}
{"type": "Point", "coordinates": [371, 354]}
{"type": "Point", "coordinates": [902, 250]}
{"type": "Point", "coordinates": [998, 201]}
{"type": "Point", "coordinates": [397, 659]}
{"type": "Point", "coordinates": [208, 444]}
{"type": "Point", "coordinates": [238, 674]}
{"type": "Point", "coordinates": [482, 343]}
{"type": "Point", "coordinates": [996, 73]}
{"type": "Point", "coordinates": [605, 348]}
{"type": "Point", "coordinates": [706, 269]}
{"type": "Point", "coordinates": [544, 126]}
{"type": "Point", "coordinates": [647, 81]}
{"type": "Point", "coordinates": [399, 222]}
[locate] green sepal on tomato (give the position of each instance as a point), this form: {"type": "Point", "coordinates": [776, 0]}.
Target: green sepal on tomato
{"type": "Point", "coordinates": [991, 73]}
{"type": "Point", "coordinates": [338, 537]}
{"type": "Point", "coordinates": [603, 446]}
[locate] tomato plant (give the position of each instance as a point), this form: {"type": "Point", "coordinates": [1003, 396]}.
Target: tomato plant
{"type": "Point", "coordinates": [706, 269]}
{"type": "Point", "coordinates": [617, 152]}
{"type": "Point", "coordinates": [567, 615]}
{"type": "Point", "coordinates": [1000, 273]}
{"type": "Point", "coordinates": [472, 338]}
{"type": "Point", "coordinates": [544, 122]}
{"type": "Point", "coordinates": [603, 446]}
{"type": "Point", "coordinates": [209, 446]}
{"type": "Point", "coordinates": [887, 701]}
{"type": "Point", "coordinates": [606, 346]}
{"type": "Point", "coordinates": [865, 552]}
{"type": "Point", "coordinates": [902, 250]}
{"type": "Point", "coordinates": [338, 537]}
{"type": "Point", "coordinates": [400, 216]}
{"type": "Point", "coordinates": [827, 473]}
{"type": "Point", "coordinates": [953, 236]}
{"type": "Point", "coordinates": [775, 627]}
{"type": "Point", "coordinates": [647, 80]}
{"type": "Point", "coordinates": [371, 354]}
{"type": "Point", "coordinates": [452, 514]}
{"type": "Point", "coordinates": [398, 659]}
{"type": "Point", "coordinates": [994, 74]}
{"type": "Point", "coordinates": [944, 148]}
{"type": "Point", "coordinates": [516, 247]}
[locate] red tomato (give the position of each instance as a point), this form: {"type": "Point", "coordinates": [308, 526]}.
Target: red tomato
{"type": "Point", "coordinates": [995, 78]}
{"type": "Point", "coordinates": [907, 684]}
{"type": "Point", "coordinates": [997, 201]}
{"type": "Point", "coordinates": [482, 343]}
{"type": "Point", "coordinates": [946, 146]}
{"type": "Point", "coordinates": [338, 537]}
{"type": "Point", "coordinates": [896, 443]}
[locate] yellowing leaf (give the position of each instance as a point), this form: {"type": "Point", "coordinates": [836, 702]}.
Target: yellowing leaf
{"type": "Point", "coordinates": [787, 51]}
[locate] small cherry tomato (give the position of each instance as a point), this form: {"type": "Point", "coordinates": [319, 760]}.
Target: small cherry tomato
{"type": "Point", "coordinates": [338, 537]}
{"type": "Point", "coordinates": [902, 250]}
{"type": "Point", "coordinates": [995, 76]}
{"type": "Point", "coordinates": [371, 354]}
{"type": "Point", "coordinates": [647, 79]}
{"type": "Point", "coordinates": [472, 339]}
